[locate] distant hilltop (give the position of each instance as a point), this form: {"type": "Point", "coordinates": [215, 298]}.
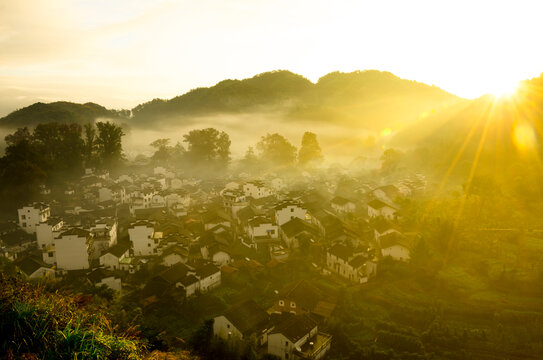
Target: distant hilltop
{"type": "Point", "coordinates": [368, 98]}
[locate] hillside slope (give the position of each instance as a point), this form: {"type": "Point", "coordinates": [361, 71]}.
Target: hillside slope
{"type": "Point", "coordinates": [60, 111]}
{"type": "Point", "coordinates": [369, 99]}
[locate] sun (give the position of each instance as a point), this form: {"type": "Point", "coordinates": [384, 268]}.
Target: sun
{"type": "Point", "coordinates": [505, 89]}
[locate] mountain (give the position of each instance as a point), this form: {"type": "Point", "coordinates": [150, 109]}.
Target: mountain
{"type": "Point", "coordinates": [60, 111]}
{"type": "Point", "coordinates": [371, 99]}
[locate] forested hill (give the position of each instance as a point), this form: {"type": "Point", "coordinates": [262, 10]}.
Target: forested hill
{"type": "Point", "coordinates": [60, 111]}
{"type": "Point", "coordinates": [369, 99]}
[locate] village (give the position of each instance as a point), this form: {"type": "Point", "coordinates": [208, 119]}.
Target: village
{"type": "Point", "coordinates": [190, 235]}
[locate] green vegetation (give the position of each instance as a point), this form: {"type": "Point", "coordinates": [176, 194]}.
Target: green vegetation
{"type": "Point", "coordinates": [61, 112]}
{"type": "Point", "coordinates": [55, 153]}
{"type": "Point", "coordinates": [39, 324]}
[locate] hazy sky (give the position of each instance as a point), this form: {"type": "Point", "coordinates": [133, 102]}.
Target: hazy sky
{"type": "Point", "coordinates": [121, 53]}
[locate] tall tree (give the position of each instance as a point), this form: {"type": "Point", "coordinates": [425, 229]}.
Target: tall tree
{"type": "Point", "coordinates": [19, 135]}
{"type": "Point", "coordinates": [276, 150]}
{"type": "Point", "coordinates": [250, 162]}
{"type": "Point", "coordinates": [310, 153]}
{"type": "Point", "coordinates": [163, 152]}
{"type": "Point", "coordinates": [109, 143]}
{"type": "Point", "coordinates": [207, 149]}
{"type": "Point", "coordinates": [89, 145]}
{"type": "Point", "coordinates": [20, 171]}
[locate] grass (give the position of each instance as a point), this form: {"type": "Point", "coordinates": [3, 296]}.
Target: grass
{"type": "Point", "coordinates": [37, 324]}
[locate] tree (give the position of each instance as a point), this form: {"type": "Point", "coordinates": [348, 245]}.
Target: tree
{"type": "Point", "coordinates": [109, 143]}
{"type": "Point", "coordinates": [20, 172]}
{"type": "Point", "coordinates": [391, 160]}
{"type": "Point", "coordinates": [310, 153]}
{"type": "Point", "coordinates": [250, 162]}
{"type": "Point", "coordinates": [207, 149]}
{"type": "Point", "coordinates": [61, 149]}
{"type": "Point", "coordinates": [276, 150]}
{"type": "Point", "coordinates": [200, 340]}
{"type": "Point", "coordinates": [18, 136]}
{"type": "Point", "coordinates": [89, 144]}
{"type": "Point", "coordinates": [162, 150]}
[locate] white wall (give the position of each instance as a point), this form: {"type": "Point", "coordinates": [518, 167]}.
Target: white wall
{"type": "Point", "coordinates": [279, 345]}
{"type": "Point", "coordinates": [142, 240]}
{"type": "Point", "coordinates": [44, 235]}
{"type": "Point", "coordinates": [264, 230]}
{"type": "Point", "coordinates": [288, 213]}
{"type": "Point", "coordinates": [42, 272]}
{"type": "Point", "coordinates": [397, 252]}
{"type": "Point", "coordinates": [210, 282]}
{"type": "Point", "coordinates": [221, 258]}
{"type": "Point", "coordinates": [29, 217]}
{"type": "Point", "coordinates": [111, 282]}
{"type": "Point", "coordinates": [222, 327]}
{"type": "Point", "coordinates": [71, 252]}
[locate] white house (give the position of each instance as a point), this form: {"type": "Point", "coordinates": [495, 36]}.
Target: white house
{"type": "Point", "coordinates": [104, 233]}
{"type": "Point", "coordinates": [242, 321]}
{"type": "Point", "coordinates": [386, 193]}
{"type": "Point", "coordinates": [256, 189]}
{"type": "Point", "coordinates": [296, 229]}
{"type": "Point", "coordinates": [217, 253]}
{"type": "Point", "coordinates": [158, 201]}
{"type": "Point", "coordinates": [112, 257]}
{"type": "Point", "coordinates": [32, 215]}
{"type": "Point", "coordinates": [378, 208]}
{"type": "Point", "coordinates": [190, 284]}
{"type": "Point", "coordinates": [298, 337]}
{"type": "Point", "coordinates": [342, 205]}
{"type": "Point", "coordinates": [278, 184]}
{"type": "Point", "coordinates": [47, 231]}
{"type": "Point", "coordinates": [34, 268]}
{"type": "Point", "coordinates": [261, 228]}
{"type": "Point", "coordinates": [174, 254]}
{"type": "Point", "coordinates": [100, 277]}
{"type": "Point", "coordinates": [289, 210]}
{"type": "Point", "coordinates": [104, 194]}
{"type": "Point", "coordinates": [395, 245]}
{"type": "Point", "coordinates": [72, 249]}
{"type": "Point", "coordinates": [234, 200]}
{"type": "Point", "coordinates": [141, 234]}
{"type": "Point", "coordinates": [209, 276]}
{"type": "Point", "coordinates": [353, 265]}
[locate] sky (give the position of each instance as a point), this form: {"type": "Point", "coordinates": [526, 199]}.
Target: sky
{"type": "Point", "coordinates": [120, 53]}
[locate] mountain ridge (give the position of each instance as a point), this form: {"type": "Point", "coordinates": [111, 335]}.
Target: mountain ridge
{"type": "Point", "coordinates": [339, 97]}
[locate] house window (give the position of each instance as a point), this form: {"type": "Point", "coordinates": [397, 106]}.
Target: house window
{"type": "Point", "coordinates": [149, 245]}
{"type": "Point", "coordinates": [24, 224]}
{"type": "Point", "coordinates": [23, 217]}
{"type": "Point", "coordinates": [286, 343]}
{"type": "Point", "coordinates": [291, 209]}
{"type": "Point", "coordinates": [281, 303]}
{"type": "Point", "coordinates": [228, 326]}
{"type": "Point", "coordinates": [286, 355]}
{"type": "Point", "coordinates": [50, 254]}
{"type": "Point", "coordinates": [292, 304]}
{"type": "Point", "coordinates": [272, 232]}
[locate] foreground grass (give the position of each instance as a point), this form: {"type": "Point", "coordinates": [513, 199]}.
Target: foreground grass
{"type": "Point", "coordinates": [36, 324]}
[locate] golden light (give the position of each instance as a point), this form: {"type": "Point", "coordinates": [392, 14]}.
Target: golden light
{"type": "Point", "coordinates": [386, 132]}
{"type": "Point", "coordinates": [524, 136]}
{"type": "Point", "coordinates": [505, 89]}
